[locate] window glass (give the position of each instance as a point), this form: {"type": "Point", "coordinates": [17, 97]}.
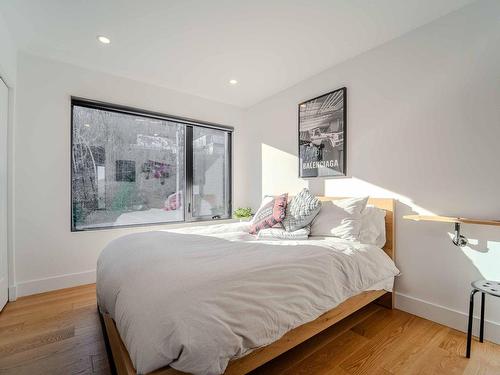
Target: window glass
{"type": "Point", "coordinates": [211, 176]}
{"type": "Point", "coordinates": [126, 169]}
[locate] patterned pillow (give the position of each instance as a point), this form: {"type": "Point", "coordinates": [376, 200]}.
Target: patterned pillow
{"type": "Point", "coordinates": [301, 211]}
{"type": "Point", "coordinates": [269, 214]}
{"type": "Point", "coordinates": [265, 201]}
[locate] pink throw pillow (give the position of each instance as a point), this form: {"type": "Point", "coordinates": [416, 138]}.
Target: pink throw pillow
{"type": "Point", "coordinates": [270, 214]}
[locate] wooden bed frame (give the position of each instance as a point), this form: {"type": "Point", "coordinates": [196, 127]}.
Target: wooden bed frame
{"type": "Point", "coordinates": [122, 365]}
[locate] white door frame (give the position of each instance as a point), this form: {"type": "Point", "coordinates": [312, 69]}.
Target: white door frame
{"type": "Point", "coordinates": [4, 188]}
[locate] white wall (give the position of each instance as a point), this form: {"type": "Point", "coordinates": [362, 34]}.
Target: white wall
{"type": "Point", "coordinates": [8, 72]}
{"type": "Point", "coordinates": [8, 57]}
{"type": "Point", "coordinates": [48, 255]}
{"type": "Point", "coordinates": [423, 126]}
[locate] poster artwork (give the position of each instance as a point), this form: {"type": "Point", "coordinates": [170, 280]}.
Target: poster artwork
{"type": "Point", "coordinates": [322, 133]}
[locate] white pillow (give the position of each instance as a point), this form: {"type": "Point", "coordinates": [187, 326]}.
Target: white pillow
{"type": "Point", "coordinates": [340, 218]}
{"type": "Point", "coordinates": [373, 226]}
{"type": "Point", "coordinates": [282, 234]}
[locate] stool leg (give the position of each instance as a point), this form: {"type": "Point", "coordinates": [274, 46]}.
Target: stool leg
{"type": "Point", "coordinates": [481, 327]}
{"type": "Point", "coordinates": [469, 328]}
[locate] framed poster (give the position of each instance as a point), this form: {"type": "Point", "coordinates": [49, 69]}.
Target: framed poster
{"type": "Point", "coordinates": [322, 135]}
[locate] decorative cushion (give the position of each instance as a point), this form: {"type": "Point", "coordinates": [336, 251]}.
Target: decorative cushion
{"type": "Point", "coordinates": [265, 201]}
{"type": "Point", "coordinates": [282, 234]}
{"type": "Point", "coordinates": [340, 218]}
{"type": "Point", "coordinates": [270, 214]}
{"type": "Point", "coordinates": [301, 211]}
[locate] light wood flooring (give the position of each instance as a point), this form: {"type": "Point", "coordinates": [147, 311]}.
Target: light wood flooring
{"type": "Point", "coordinates": [59, 333]}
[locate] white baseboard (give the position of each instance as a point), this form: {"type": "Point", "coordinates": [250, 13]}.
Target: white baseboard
{"type": "Point", "coordinates": [26, 288]}
{"type": "Point", "coordinates": [448, 317]}
{"type": "Point", "coordinates": [12, 293]}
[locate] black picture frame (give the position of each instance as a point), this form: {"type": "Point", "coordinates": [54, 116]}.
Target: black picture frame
{"type": "Point", "coordinates": [322, 135]}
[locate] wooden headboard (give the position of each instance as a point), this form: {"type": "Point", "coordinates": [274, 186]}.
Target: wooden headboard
{"type": "Point", "coordinates": [386, 204]}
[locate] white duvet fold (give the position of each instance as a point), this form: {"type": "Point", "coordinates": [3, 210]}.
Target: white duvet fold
{"type": "Point", "coordinates": [195, 301]}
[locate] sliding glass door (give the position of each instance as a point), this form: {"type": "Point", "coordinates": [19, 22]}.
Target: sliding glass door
{"type": "Point", "coordinates": [211, 173]}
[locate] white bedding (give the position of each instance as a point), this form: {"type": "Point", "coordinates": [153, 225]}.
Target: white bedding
{"type": "Point", "coordinates": [195, 298]}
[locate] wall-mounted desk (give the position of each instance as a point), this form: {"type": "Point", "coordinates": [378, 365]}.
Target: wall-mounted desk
{"type": "Point", "coordinates": [459, 239]}
{"type": "Point", "coordinates": [449, 219]}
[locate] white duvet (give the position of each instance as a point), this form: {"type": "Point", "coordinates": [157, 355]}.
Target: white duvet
{"type": "Point", "coordinates": [198, 297]}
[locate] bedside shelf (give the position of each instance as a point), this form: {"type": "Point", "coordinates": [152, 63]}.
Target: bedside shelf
{"type": "Point", "coordinates": [458, 239]}
{"type": "Point", "coordinates": [449, 219]}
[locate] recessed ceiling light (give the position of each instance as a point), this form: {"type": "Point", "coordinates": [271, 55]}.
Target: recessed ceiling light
{"type": "Point", "coordinates": [103, 39]}
{"type": "Point", "coordinates": [233, 81]}
{"type": "Point", "coordinates": [87, 125]}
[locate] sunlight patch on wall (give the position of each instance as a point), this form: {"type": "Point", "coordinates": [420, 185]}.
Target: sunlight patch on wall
{"type": "Point", "coordinates": [280, 172]}
{"type": "Point", "coordinates": [280, 175]}
{"type": "Point", "coordinates": [355, 187]}
{"type": "Point", "coordinates": [485, 257]}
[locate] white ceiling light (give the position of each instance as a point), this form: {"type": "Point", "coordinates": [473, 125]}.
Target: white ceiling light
{"type": "Point", "coordinates": [233, 81]}
{"type": "Point", "coordinates": [103, 39]}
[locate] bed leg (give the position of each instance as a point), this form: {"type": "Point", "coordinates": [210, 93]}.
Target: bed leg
{"type": "Point", "coordinates": [109, 353]}
{"type": "Point", "coordinates": [386, 300]}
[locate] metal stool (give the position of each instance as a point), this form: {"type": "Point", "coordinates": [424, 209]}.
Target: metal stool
{"type": "Point", "coordinates": [485, 287]}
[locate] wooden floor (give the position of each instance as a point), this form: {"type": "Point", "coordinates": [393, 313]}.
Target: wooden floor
{"type": "Point", "coordinates": [59, 333]}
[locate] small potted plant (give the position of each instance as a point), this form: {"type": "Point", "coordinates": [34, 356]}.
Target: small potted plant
{"type": "Point", "coordinates": [243, 213]}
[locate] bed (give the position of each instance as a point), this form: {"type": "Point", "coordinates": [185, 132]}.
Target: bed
{"type": "Point", "coordinates": [213, 299]}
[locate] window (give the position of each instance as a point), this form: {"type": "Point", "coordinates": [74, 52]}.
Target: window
{"type": "Point", "coordinates": [211, 188]}
{"type": "Point", "coordinates": [131, 167]}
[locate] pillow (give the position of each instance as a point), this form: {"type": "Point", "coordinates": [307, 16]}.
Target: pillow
{"type": "Point", "coordinates": [340, 218]}
{"type": "Point", "coordinates": [301, 210]}
{"type": "Point", "coordinates": [373, 226]}
{"type": "Point", "coordinates": [272, 213]}
{"type": "Point", "coordinates": [265, 201]}
{"type": "Point", "coordinates": [281, 234]}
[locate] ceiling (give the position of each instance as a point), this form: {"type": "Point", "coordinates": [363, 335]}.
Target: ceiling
{"type": "Point", "coordinates": [197, 46]}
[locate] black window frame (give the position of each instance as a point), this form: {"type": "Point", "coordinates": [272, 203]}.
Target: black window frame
{"type": "Point", "coordinates": [188, 159]}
